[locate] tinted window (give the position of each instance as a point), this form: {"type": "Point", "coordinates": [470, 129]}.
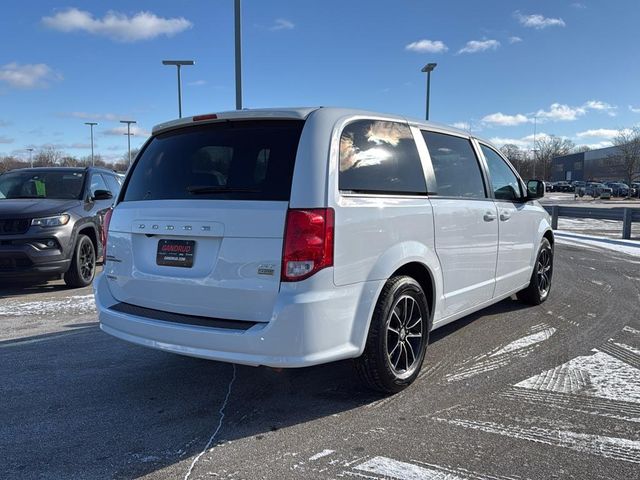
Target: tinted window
{"type": "Point", "coordinates": [41, 184]}
{"type": "Point", "coordinates": [505, 183]}
{"type": "Point", "coordinates": [97, 183]}
{"type": "Point", "coordinates": [377, 156]}
{"type": "Point", "coordinates": [455, 166]}
{"type": "Point", "coordinates": [112, 183]}
{"type": "Point", "coordinates": [241, 160]}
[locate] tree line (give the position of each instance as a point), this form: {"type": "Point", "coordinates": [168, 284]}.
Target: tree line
{"type": "Point", "coordinates": [50, 156]}
{"type": "Point", "coordinates": [538, 164]}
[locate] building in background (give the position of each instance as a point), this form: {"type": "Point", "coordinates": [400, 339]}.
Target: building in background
{"type": "Point", "coordinates": [603, 164]}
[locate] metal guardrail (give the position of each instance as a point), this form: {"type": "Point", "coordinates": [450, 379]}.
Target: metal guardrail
{"type": "Point", "coordinates": [624, 215]}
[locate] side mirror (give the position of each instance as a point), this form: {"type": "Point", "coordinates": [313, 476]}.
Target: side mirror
{"type": "Point", "coordinates": [535, 189]}
{"type": "Point", "coordinates": [102, 195]}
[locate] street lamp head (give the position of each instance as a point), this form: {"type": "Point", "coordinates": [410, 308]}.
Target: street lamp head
{"type": "Point", "coordinates": [178, 62]}
{"type": "Point", "coordinates": [429, 67]}
{"type": "Point", "coordinates": [90, 123]}
{"type": "Point", "coordinates": [128, 121]}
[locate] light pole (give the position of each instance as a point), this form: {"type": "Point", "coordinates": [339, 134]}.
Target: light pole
{"type": "Point", "coordinates": [128, 134]}
{"type": "Point", "coordinates": [179, 64]}
{"type": "Point", "coordinates": [30, 150]}
{"type": "Point", "coordinates": [238, 37]}
{"type": "Point", "coordinates": [91, 125]}
{"type": "Point", "coordinates": [428, 68]}
{"type": "Point", "coordinates": [535, 150]}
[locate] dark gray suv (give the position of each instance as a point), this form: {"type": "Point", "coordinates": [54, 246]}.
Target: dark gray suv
{"type": "Point", "coordinates": [51, 221]}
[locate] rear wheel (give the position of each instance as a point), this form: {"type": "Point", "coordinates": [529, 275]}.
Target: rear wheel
{"type": "Point", "coordinates": [540, 283]}
{"type": "Point", "coordinates": [398, 337]}
{"type": "Point", "coordinates": [83, 264]}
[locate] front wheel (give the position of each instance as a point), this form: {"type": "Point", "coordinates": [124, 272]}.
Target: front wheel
{"type": "Point", "coordinates": [83, 264]}
{"type": "Point", "coordinates": [540, 283]}
{"type": "Point", "coordinates": [398, 337]}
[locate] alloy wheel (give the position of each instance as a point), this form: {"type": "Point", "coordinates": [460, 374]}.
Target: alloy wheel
{"type": "Point", "coordinates": [404, 336]}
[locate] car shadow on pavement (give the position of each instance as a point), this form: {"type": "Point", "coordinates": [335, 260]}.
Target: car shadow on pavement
{"type": "Point", "coordinates": [83, 404]}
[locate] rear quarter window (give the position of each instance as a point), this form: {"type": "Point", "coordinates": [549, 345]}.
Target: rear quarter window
{"type": "Point", "coordinates": [380, 157]}
{"type": "Point", "coordinates": [229, 160]}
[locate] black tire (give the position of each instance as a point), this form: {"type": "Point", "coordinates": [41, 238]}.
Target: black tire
{"type": "Point", "coordinates": [83, 264]}
{"type": "Point", "coordinates": [540, 283]}
{"type": "Point", "coordinates": [396, 312]}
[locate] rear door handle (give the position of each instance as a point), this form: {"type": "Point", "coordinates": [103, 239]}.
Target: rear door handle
{"type": "Point", "coordinates": [505, 215]}
{"type": "Point", "coordinates": [489, 216]}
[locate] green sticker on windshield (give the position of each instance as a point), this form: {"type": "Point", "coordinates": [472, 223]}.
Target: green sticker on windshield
{"type": "Point", "coordinates": [41, 191]}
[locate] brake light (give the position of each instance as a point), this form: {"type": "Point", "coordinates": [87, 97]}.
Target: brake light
{"type": "Point", "coordinates": [308, 243]}
{"type": "Point", "coordinates": [105, 231]}
{"type": "Point", "coordinates": [200, 118]}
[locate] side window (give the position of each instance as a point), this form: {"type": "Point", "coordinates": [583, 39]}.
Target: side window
{"type": "Point", "coordinates": [505, 183]}
{"type": "Point", "coordinates": [379, 156]}
{"type": "Point", "coordinates": [112, 182]}
{"type": "Point", "coordinates": [455, 166]}
{"type": "Point", "coordinates": [97, 183]}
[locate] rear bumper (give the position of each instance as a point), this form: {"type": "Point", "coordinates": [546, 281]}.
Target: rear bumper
{"type": "Point", "coordinates": [308, 326]}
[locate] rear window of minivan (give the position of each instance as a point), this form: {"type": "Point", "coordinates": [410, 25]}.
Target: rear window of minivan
{"type": "Point", "coordinates": [227, 160]}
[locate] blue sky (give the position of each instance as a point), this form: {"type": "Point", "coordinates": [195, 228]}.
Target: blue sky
{"type": "Point", "coordinates": [573, 65]}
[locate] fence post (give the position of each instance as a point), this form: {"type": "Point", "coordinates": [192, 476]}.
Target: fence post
{"type": "Point", "coordinates": [626, 223]}
{"type": "Point", "coordinates": [555, 210]}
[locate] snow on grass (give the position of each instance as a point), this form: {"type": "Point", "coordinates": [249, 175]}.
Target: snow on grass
{"type": "Point", "coordinates": [629, 247]}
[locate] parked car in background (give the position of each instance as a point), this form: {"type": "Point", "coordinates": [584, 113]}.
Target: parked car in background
{"type": "Point", "coordinates": [562, 186]}
{"type": "Point", "coordinates": [51, 222]}
{"type": "Point", "coordinates": [635, 189]}
{"type": "Point", "coordinates": [548, 186]}
{"type": "Point", "coordinates": [296, 237]}
{"type": "Point", "coordinates": [597, 190]}
{"type": "Point", "coordinates": [618, 189]}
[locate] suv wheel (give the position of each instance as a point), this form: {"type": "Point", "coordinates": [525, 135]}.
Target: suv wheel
{"type": "Point", "coordinates": [540, 283]}
{"type": "Point", "coordinates": [83, 264]}
{"type": "Point", "coordinates": [398, 337]}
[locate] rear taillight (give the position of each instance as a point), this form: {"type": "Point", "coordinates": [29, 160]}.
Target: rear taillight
{"type": "Point", "coordinates": [308, 243]}
{"type": "Point", "coordinates": [105, 231]}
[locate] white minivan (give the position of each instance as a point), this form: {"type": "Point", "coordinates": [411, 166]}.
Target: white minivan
{"type": "Point", "coordinates": [293, 237]}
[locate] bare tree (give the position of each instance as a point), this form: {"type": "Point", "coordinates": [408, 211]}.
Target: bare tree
{"type": "Point", "coordinates": [48, 156]}
{"type": "Point", "coordinates": [627, 143]}
{"type": "Point", "coordinates": [519, 159]}
{"type": "Point", "coordinates": [547, 148]}
{"type": "Point", "coordinates": [10, 162]}
{"type": "Point", "coordinates": [582, 149]}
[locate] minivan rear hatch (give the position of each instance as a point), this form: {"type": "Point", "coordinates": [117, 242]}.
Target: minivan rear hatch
{"type": "Point", "coordinates": [199, 226]}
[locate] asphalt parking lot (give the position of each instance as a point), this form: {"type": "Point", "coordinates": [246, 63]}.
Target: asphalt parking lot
{"type": "Point", "coordinates": [510, 392]}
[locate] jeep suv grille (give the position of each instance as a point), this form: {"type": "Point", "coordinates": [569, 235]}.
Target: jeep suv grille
{"type": "Point", "coordinates": [14, 226]}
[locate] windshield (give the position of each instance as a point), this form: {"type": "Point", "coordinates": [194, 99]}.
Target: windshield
{"type": "Point", "coordinates": [42, 184]}
{"type": "Point", "coordinates": [240, 160]}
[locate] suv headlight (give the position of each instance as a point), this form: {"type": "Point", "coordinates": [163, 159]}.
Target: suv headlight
{"type": "Point", "coordinates": [54, 221]}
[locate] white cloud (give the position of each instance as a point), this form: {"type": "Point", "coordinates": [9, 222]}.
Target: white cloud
{"type": "Point", "coordinates": [111, 117]}
{"type": "Point", "coordinates": [197, 83]}
{"type": "Point", "coordinates": [595, 146]}
{"type": "Point", "coordinates": [427, 46]}
{"type": "Point", "coordinates": [634, 109]}
{"type": "Point", "coordinates": [462, 125]}
{"type": "Point", "coordinates": [515, 39]}
{"type": "Point", "coordinates": [475, 46]}
{"type": "Point", "coordinates": [523, 142]}
{"type": "Point", "coordinates": [538, 21]}
{"type": "Point", "coordinates": [117, 26]}
{"type": "Point", "coordinates": [282, 24]}
{"type": "Point", "coordinates": [4, 139]}
{"type": "Point", "coordinates": [608, 133]}
{"type": "Point", "coordinates": [561, 112]}
{"type": "Point", "coordinates": [135, 130]}
{"type": "Point", "coordinates": [36, 75]}
{"type": "Point", "coordinates": [501, 119]}
{"type": "Point", "coordinates": [578, 5]}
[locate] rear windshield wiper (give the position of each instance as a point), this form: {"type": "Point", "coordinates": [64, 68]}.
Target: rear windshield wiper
{"type": "Point", "coordinates": [203, 189]}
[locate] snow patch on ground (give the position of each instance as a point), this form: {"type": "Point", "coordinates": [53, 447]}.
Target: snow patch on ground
{"type": "Point", "coordinates": [597, 375]}
{"type": "Point", "coordinates": [629, 247]}
{"type": "Point", "coordinates": [74, 305]}
{"type": "Point", "coordinates": [390, 468]}
{"type": "Point", "coordinates": [610, 447]}
{"type": "Point", "coordinates": [321, 454]}
{"type": "Point", "coordinates": [526, 341]}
